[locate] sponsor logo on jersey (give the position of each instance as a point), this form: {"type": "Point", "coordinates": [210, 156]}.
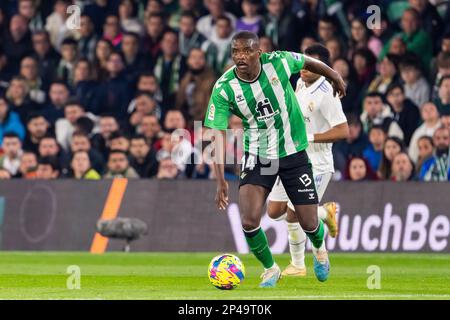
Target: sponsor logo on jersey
{"type": "Point", "coordinates": [265, 110]}
{"type": "Point", "coordinates": [212, 112]}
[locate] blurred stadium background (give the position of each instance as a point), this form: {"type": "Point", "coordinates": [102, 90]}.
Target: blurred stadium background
{"type": "Point", "coordinates": [88, 106]}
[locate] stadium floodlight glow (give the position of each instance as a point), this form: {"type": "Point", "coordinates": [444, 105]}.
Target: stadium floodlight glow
{"type": "Point", "coordinates": [129, 229]}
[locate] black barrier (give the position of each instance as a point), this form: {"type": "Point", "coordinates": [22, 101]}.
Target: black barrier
{"type": "Point", "coordinates": [181, 216]}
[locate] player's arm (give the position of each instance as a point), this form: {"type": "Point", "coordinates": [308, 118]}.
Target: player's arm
{"type": "Point", "coordinates": [318, 67]}
{"type": "Point", "coordinates": [336, 133]}
{"type": "Point", "coordinates": [216, 119]}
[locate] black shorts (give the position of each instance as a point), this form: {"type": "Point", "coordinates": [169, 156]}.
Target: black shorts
{"type": "Point", "coordinates": [295, 172]}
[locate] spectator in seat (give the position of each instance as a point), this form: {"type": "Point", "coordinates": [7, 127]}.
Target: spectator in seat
{"type": "Point", "coordinates": [12, 153]}
{"type": "Point", "coordinates": [358, 169]}
{"type": "Point", "coordinates": [143, 157]}
{"type": "Point", "coordinates": [69, 57]}
{"type": "Point", "coordinates": [48, 168]}
{"type": "Point", "coordinates": [431, 121]}
{"type": "Point", "coordinates": [155, 27]}
{"type": "Point", "coordinates": [362, 38]}
{"type": "Point", "coordinates": [85, 86]}
{"type": "Point", "coordinates": [351, 103]}
{"type": "Point", "coordinates": [49, 147]}
{"type": "Point", "coordinates": [438, 167]}
{"type": "Point", "coordinates": [9, 121]}
{"type": "Point", "coordinates": [59, 95]}
{"type": "Point", "coordinates": [37, 128]}
{"type": "Point", "coordinates": [443, 99]}
{"type": "Point", "coordinates": [406, 113]}
{"type": "Point", "coordinates": [222, 41]}
{"type": "Point", "coordinates": [65, 127]}
{"type": "Point", "coordinates": [18, 95]}
{"type": "Point", "coordinates": [56, 24]}
{"type": "Point", "coordinates": [151, 129]}
{"type": "Point", "coordinates": [426, 148]}
{"type": "Point", "coordinates": [28, 165]}
{"type": "Point", "coordinates": [119, 141]}
{"type": "Point", "coordinates": [387, 74]}
{"type": "Point", "coordinates": [100, 141]}
{"type": "Point", "coordinates": [38, 86]}
{"type": "Point", "coordinates": [391, 148]}
{"type": "Point", "coordinates": [128, 20]}
{"type": "Point", "coordinates": [135, 62]}
{"type": "Point", "coordinates": [119, 166]}
{"type": "Point", "coordinates": [195, 87]}
{"type": "Point", "coordinates": [167, 169]}
{"type": "Point", "coordinates": [28, 9]}
{"type": "Point", "coordinates": [377, 112]}
{"type": "Point", "coordinates": [416, 87]}
{"type": "Point", "coordinates": [88, 38]}
{"type": "Point", "coordinates": [144, 104]}
{"type": "Point", "coordinates": [402, 168]}
{"type": "Point", "coordinates": [111, 30]}
{"type": "Point", "coordinates": [46, 56]}
{"type": "Point", "coordinates": [81, 142]}
{"type": "Point", "coordinates": [103, 50]}
{"type": "Point", "coordinates": [81, 167]}
{"type": "Point", "coordinates": [374, 150]}
{"type": "Point", "coordinates": [251, 20]}
{"type": "Point", "coordinates": [206, 24]}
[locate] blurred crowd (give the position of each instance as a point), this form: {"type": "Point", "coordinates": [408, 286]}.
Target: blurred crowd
{"type": "Point", "coordinates": [100, 96]}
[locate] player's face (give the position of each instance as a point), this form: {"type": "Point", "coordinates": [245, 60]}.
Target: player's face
{"type": "Point", "coordinates": [245, 54]}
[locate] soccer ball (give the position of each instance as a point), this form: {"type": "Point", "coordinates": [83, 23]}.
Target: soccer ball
{"type": "Point", "coordinates": [226, 271]}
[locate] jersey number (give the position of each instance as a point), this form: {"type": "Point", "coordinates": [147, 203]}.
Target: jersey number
{"type": "Point", "coordinates": [249, 164]}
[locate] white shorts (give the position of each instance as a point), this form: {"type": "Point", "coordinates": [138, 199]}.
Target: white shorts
{"type": "Point", "coordinates": [321, 181]}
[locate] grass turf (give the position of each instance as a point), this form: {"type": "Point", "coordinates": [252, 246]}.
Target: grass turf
{"type": "Point", "coordinates": [32, 275]}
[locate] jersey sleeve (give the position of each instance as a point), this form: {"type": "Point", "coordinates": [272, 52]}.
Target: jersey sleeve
{"type": "Point", "coordinates": [218, 110]}
{"type": "Point", "coordinates": [331, 109]}
{"type": "Point", "coordinates": [295, 61]}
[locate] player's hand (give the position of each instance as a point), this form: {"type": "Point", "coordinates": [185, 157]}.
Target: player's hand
{"type": "Point", "coordinates": [222, 195]}
{"type": "Point", "coordinates": [339, 86]}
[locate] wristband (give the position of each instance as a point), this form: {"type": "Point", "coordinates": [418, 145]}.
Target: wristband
{"type": "Point", "coordinates": [310, 137]}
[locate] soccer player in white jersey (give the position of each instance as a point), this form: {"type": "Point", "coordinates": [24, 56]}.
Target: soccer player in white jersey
{"type": "Point", "coordinates": [325, 123]}
{"type": "Point", "coordinates": [257, 90]}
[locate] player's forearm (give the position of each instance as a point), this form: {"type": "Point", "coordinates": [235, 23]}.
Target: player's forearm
{"type": "Point", "coordinates": [219, 154]}
{"type": "Point", "coordinates": [318, 67]}
{"type": "Point", "coordinates": [336, 133]}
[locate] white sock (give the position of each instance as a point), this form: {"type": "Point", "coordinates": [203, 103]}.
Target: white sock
{"type": "Point", "coordinates": [321, 213]}
{"type": "Point", "coordinates": [273, 266]}
{"type": "Point", "coordinates": [297, 242]}
{"type": "Point", "coordinates": [322, 248]}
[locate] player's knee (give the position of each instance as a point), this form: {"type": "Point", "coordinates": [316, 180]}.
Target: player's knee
{"type": "Point", "coordinates": [309, 224]}
{"type": "Point", "coordinates": [249, 224]}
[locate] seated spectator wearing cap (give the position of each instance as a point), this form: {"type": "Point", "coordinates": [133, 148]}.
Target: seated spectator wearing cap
{"type": "Point", "coordinates": [416, 86]}
{"type": "Point", "coordinates": [118, 166]}
{"type": "Point", "coordinates": [438, 167]}
{"type": "Point", "coordinates": [143, 157]}
{"type": "Point", "coordinates": [402, 168]}
{"type": "Point", "coordinates": [377, 112]}
{"type": "Point", "coordinates": [374, 151]}
{"type": "Point", "coordinates": [9, 121]}
{"type": "Point", "coordinates": [426, 151]}
{"type": "Point", "coordinates": [443, 99]}
{"type": "Point", "coordinates": [431, 121]}
{"type": "Point", "coordinates": [392, 147]}
{"type": "Point", "coordinates": [406, 113]}
{"type": "Point", "coordinates": [81, 167]}
{"type": "Point", "coordinates": [358, 169]}
{"type": "Point", "coordinates": [80, 142]}
{"type": "Point", "coordinates": [28, 165]}
{"type": "Point", "coordinates": [48, 168]}
{"type": "Point", "coordinates": [12, 153]}
{"type": "Point", "coordinates": [37, 128]}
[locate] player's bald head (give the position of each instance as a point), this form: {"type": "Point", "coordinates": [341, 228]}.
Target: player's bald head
{"type": "Point", "coordinates": [248, 37]}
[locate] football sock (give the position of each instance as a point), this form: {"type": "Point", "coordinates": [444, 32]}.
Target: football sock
{"type": "Point", "coordinates": [297, 241]}
{"type": "Point", "coordinates": [321, 213]}
{"type": "Point", "coordinates": [317, 236]}
{"type": "Point", "coordinates": [257, 241]}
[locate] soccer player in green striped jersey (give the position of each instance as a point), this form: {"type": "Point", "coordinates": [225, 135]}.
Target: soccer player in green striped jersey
{"type": "Point", "coordinates": [257, 89]}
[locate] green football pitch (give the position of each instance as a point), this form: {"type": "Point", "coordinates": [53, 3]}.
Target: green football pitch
{"type": "Point", "coordinates": [31, 275]}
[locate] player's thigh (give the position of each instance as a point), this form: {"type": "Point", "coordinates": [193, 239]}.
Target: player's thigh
{"type": "Point", "coordinates": [297, 177]}
{"type": "Point", "coordinates": [321, 181]}
{"type": "Point", "coordinates": [278, 199]}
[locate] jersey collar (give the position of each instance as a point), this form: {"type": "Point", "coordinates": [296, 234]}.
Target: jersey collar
{"type": "Point", "coordinates": [254, 80]}
{"type": "Point", "coordinates": [312, 88]}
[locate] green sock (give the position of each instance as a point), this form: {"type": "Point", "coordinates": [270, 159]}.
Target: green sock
{"type": "Point", "coordinates": [317, 236]}
{"type": "Point", "coordinates": [257, 241]}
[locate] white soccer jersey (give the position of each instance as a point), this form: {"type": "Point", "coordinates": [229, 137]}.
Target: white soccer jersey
{"type": "Point", "coordinates": [321, 111]}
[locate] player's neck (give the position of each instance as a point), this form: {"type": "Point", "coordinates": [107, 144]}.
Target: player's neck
{"type": "Point", "coordinates": [251, 75]}
{"type": "Point", "coordinates": [309, 83]}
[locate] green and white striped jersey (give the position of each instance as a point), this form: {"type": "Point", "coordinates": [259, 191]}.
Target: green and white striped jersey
{"type": "Point", "coordinates": [272, 119]}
